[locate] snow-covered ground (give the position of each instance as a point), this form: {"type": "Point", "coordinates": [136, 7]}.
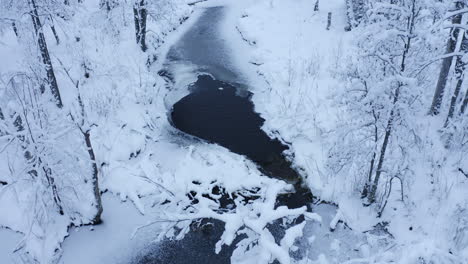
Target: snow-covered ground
{"type": "Point", "coordinates": [8, 242]}
{"type": "Point", "coordinates": [297, 56]}
{"type": "Point", "coordinates": [111, 241]}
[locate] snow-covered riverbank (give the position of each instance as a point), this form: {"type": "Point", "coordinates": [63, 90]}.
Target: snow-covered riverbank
{"type": "Point", "coordinates": [297, 56]}
{"type": "Point", "coordinates": [307, 68]}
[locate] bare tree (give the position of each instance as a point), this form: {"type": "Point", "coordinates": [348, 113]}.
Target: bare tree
{"type": "Point", "coordinates": [460, 67]}
{"type": "Point", "coordinates": [51, 80]}
{"type": "Point", "coordinates": [85, 131]}
{"type": "Point", "coordinates": [389, 126]}
{"type": "Point", "coordinates": [140, 14]}
{"type": "Point", "coordinates": [81, 122]}
{"type": "Point", "coordinates": [37, 166]}
{"type": "Point", "coordinates": [446, 62]}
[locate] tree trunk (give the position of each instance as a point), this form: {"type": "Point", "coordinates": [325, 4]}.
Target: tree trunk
{"type": "Point", "coordinates": [15, 29]}
{"type": "Point", "coordinates": [446, 63]}
{"type": "Point", "coordinates": [365, 192]}
{"type": "Point", "coordinates": [51, 80]}
{"type": "Point", "coordinates": [465, 103]}
{"type": "Point", "coordinates": [460, 67]}
{"type": "Point", "coordinates": [140, 14]}
{"type": "Point", "coordinates": [388, 132]}
{"type": "Point", "coordinates": [389, 127]}
{"type": "Point", "coordinates": [2, 117]}
{"type": "Point", "coordinates": [92, 157]}
{"type": "Point", "coordinates": [85, 131]}
{"type": "Point", "coordinates": [51, 182]}
{"type": "Point", "coordinates": [52, 27]}
{"type": "Point", "coordinates": [95, 183]}
{"type": "Point", "coordinates": [18, 123]}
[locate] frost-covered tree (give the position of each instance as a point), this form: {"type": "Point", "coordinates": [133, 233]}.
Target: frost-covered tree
{"type": "Point", "coordinates": [451, 47]}
{"type": "Point", "coordinates": [47, 161]}
{"type": "Point", "coordinates": [42, 44]}
{"type": "Point", "coordinates": [457, 104]}
{"type": "Point", "coordinates": [54, 165]}
{"type": "Point", "coordinates": [355, 11]}
{"type": "Point", "coordinates": [53, 157]}
{"type": "Point", "coordinates": [140, 14]}
{"type": "Point", "coordinates": [385, 86]}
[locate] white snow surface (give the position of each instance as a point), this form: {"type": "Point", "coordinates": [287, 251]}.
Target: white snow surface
{"type": "Point", "coordinates": [298, 69]}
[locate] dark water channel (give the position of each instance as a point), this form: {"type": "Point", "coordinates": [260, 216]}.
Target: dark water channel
{"type": "Point", "coordinates": [219, 110]}
{"type": "Point", "coordinates": [214, 111]}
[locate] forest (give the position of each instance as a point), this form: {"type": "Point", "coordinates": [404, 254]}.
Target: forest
{"type": "Point", "coordinates": [234, 131]}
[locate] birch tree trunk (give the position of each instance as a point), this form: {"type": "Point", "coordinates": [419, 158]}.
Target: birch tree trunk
{"type": "Point", "coordinates": [460, 67]}
{"type": "Point", "coordinates": [39, 164]}
{"type": "Point", "coordinates": [446, 63]}
{"type": "Point", "coordinates": [92, 157]}
{"type": "Point", "coordinates": [85, 129]}
{"type": "Point", "coordinates": [95, 183]}
{"type": "Point", "coordinates": [140, 14]}
{"type": "Point", "coordinates": [51, 80]}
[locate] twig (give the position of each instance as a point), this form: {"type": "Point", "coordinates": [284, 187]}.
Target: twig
{"type": "Point", "coordinates": [463, 172]}
{"type": "Point", "coordinates": [155, 183]}
{"type": "Point", "coordinates": [6, 145]}
{"type": "Point", "coordinates": [176, 221]}
{"type": "Point", "coordinates": [453, 54]}
{"type": "Point", "coordinates": [196, 2]}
